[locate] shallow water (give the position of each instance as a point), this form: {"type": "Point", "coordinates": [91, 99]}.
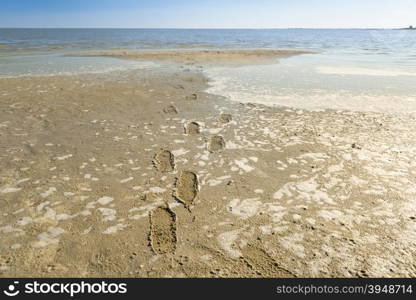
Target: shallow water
{"type": "Point", "coordinates": [393, 48]}
{"type": "Point", "coordinates": [395, 43]}
{"type": "Point", "coordinates": [57, 64]}
{"type": "Point", "coordinates": [371, 70]}
{"type": "Point", "coordinates": [317, 82]}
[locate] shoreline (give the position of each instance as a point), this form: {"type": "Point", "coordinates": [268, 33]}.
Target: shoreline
{"type": "Point", "coordinates": [87, 188]}
{"type": "Point", "coordinates": [178, 58]}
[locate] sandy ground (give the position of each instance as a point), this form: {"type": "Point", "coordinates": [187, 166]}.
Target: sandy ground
{"type": "Point", "coordinates": [143, 174]}
{"type": "Point", "coordinates": [203, 57]}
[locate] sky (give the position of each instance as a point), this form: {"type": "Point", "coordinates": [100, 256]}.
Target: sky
{"type": "Point", "coordinates": [208, 13]}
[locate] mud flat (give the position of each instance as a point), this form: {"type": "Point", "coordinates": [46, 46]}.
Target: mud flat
{"type": "Point", "coordinates": [205, 57]}
{"type": "Point", "coordinates": [98, 178]}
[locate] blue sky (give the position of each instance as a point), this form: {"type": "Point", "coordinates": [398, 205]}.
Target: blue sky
{"type": "Point", "coordinates": [208, 13]}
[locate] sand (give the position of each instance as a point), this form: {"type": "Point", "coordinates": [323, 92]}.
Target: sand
{"type": "Point", "coordinates": [100, 176]}
{"type": "Point", "coordinates": [229, 57]}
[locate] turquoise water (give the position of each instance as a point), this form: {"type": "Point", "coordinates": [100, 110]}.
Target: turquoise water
{"type": "Point", "coordinates": [355, 69]}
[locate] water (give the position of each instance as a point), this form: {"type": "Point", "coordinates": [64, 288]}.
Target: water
{"type": "Point", "coordinates": [317, 82]}
{"type": "Point", "coordinates": [355, 69]}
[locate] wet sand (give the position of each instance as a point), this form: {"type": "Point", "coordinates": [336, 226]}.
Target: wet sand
{"type": "Point", "coordinates": [143, 174]}
{"type": "Point", "coordinates": [203, 57]}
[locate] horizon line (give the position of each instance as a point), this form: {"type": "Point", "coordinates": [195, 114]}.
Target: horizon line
{"type": "Point", "coordinates": [211, 28]}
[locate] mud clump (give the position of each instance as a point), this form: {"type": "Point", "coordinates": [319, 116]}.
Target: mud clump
{"type": "Point", "coordinates": [187, 187]}
{"type": "Point", "coordinates": [225, 118]}
{"type": "Point", "coordinates": [216, 143]}
{"type": "Point", "coordinates": [164, 161]}
{"type": "Point", "coordinates": [192, 128]}
{"type": "Point", "coordinates": [170, 110]}
{"type": "Point", "coordinates": [163, 237]}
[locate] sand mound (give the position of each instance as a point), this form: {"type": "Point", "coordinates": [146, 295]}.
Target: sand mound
{"type": "Point", "coordinates": [217, 57]}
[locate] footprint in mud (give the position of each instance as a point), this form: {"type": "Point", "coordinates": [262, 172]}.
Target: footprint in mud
{"type": "Point", "coordinates": [45, 124]}
{"type": "Point", "coordinates": [163, 230]}
{"type": "Point", "coordinates": [216, 143]}
{"type": "Point", "coordinates": [170, 109]}
{"type": "Point", "coordinates": [192, 97]}
{"type": "Point", "coordinates": [192, 128]}
{"type": "Point", "coordinates": [225, 118]}
{"type": "Point", "coordinates": [263, 264]}
{"type": "Point", "coordinates": [29, 149]}
{"type": "Point", "coordinates": [164, 161]}
{"type": "Point", "coordinates": [187, 187]}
